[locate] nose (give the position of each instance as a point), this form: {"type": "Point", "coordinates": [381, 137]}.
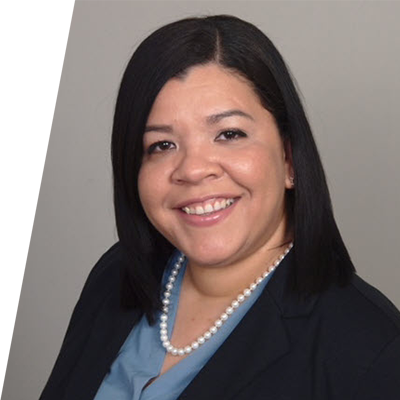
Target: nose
{"type": "Point", "coordinates": [196, 165]}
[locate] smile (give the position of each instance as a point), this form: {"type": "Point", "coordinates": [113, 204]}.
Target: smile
{"type": "Point", "coordinates": [208, 207]}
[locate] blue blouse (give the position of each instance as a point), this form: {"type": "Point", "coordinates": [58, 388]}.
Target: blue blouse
{"type": "Point", "coordinates": [142, 356]}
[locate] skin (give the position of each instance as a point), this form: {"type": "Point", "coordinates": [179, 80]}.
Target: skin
{"type": "Point", "coordinates": [200, 160]}
{"type": "Point", "coordinates": [199, 157]}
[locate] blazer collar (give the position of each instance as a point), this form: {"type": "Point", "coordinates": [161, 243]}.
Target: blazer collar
{"type": "Point", "coordinates": [289, 304]}
{"type": "Point", "coordinates": [259, 339]}
{"type": "Point", "coordinates": [262, 337]}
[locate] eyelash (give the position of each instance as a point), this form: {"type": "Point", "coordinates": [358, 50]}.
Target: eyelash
{"type": "Point", "coordinates": [237, 133]}
{"type": "Point", "coordinates": [152, 148]}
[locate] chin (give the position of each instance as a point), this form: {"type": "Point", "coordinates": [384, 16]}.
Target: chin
{"type": "Point", "coordinates": [209, 256]}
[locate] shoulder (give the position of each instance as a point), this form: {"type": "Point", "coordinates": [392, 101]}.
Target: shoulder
{"type": "Point", "coordinates": [102, 282]}
{"type": "Point", "coordinates": [361, 307]}
{"type": "Point", "coordinates": [106, 268]}
{"type": "Point", "coordinates": [101, 287]}
{"type": "Point", "coordinates": [345, 323]}
{"type": "Point", "coordinates": [376, 302]}
{"type": "Point", "coordinates": [360, 327]}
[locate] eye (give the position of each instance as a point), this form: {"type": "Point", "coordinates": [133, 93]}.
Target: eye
{"type": "Point", "coordinates": [230, 134]}
{"type": "Point", "coordinates": [160, 147]}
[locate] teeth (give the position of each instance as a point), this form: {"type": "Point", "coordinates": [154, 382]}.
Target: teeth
{"type": "Point", "coordinates": [209, 208]}
{"type": "Point", "coordinates": [199, 210]}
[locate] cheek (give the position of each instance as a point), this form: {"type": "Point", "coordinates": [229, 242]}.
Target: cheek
{"type": "Point", "coordinates": [142, 187]}
{"type": "Point", "coordinates": [258, 168]}
{"type": "Point", "coordinates": [149, 188]}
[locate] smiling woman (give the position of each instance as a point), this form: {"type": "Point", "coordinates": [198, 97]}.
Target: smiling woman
{"type": "Point", "coordinates": [222, 149]}
{"type": "Point", "coordinates": [230, 279]}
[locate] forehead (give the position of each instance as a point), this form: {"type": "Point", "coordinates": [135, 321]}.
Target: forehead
{"type": "Point", "coordinates": [204, 89]}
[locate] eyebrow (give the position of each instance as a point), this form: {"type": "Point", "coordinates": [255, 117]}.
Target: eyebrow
{"type": "Point", "coordinates": [215, 118]}
{"type": "Point", "coordinates": [158, 128]}
{"type": "Point", "coordinates": [211, 119]}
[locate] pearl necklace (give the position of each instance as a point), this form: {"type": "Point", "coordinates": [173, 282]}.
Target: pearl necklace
{"type": "Point", "coordinates": [220, 321]}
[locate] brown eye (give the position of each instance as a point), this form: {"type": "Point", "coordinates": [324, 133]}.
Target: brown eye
{"type": "Point", "coordinates": [231, 134]}
{"type": "Point", "coordinates": [159, 147]}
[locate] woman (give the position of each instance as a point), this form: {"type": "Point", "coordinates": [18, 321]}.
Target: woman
{"type": "Point", "coordinates": [230, 279]}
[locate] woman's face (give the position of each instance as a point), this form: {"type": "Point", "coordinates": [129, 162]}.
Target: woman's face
{"type": "Point", "coordinates": [214, 171]}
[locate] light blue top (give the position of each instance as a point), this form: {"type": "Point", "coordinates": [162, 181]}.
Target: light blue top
{"type": "Point", "coordinates": [142, 355]}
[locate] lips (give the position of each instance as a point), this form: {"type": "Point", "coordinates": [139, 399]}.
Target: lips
{"type": "Point", "coordinates": [206, 200]}
{"type": "Point", "coordinates": [207, 211]}
{"type": "Point", "coordinates": [208, 207]}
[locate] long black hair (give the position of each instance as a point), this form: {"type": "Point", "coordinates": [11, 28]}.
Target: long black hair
{"type": "Point", "coordinates": [321, 257]}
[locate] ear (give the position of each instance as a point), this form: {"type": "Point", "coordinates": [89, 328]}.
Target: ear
{"type": "Point", "coordinates": [289, 171]}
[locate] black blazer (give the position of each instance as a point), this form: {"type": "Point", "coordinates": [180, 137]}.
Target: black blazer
{"type": "Point", "coordinates": [341, 344]}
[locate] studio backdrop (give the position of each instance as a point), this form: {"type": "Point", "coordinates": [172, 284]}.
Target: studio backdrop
{"type": "Point", "coordinates": [345, 57]}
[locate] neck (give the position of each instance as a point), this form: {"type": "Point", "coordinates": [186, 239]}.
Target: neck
{"type": "Point", "coordinates": [222, 283]}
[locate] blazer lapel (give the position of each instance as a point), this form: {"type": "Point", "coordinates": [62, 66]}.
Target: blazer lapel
{"type": "Point", "coordinates": [259, 340]}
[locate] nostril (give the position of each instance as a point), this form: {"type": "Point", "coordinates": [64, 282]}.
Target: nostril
{"type": "Point", "coordinates": [195, 169]}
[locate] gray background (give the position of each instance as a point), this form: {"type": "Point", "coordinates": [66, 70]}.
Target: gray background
{"type": "Point", "coordinates": [346, 59]}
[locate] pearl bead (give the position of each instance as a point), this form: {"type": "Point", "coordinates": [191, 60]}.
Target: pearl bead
{"type": "Point", "coordinates": [219, 322]}
{"type": "Point", "coordinates": [235, 304]}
